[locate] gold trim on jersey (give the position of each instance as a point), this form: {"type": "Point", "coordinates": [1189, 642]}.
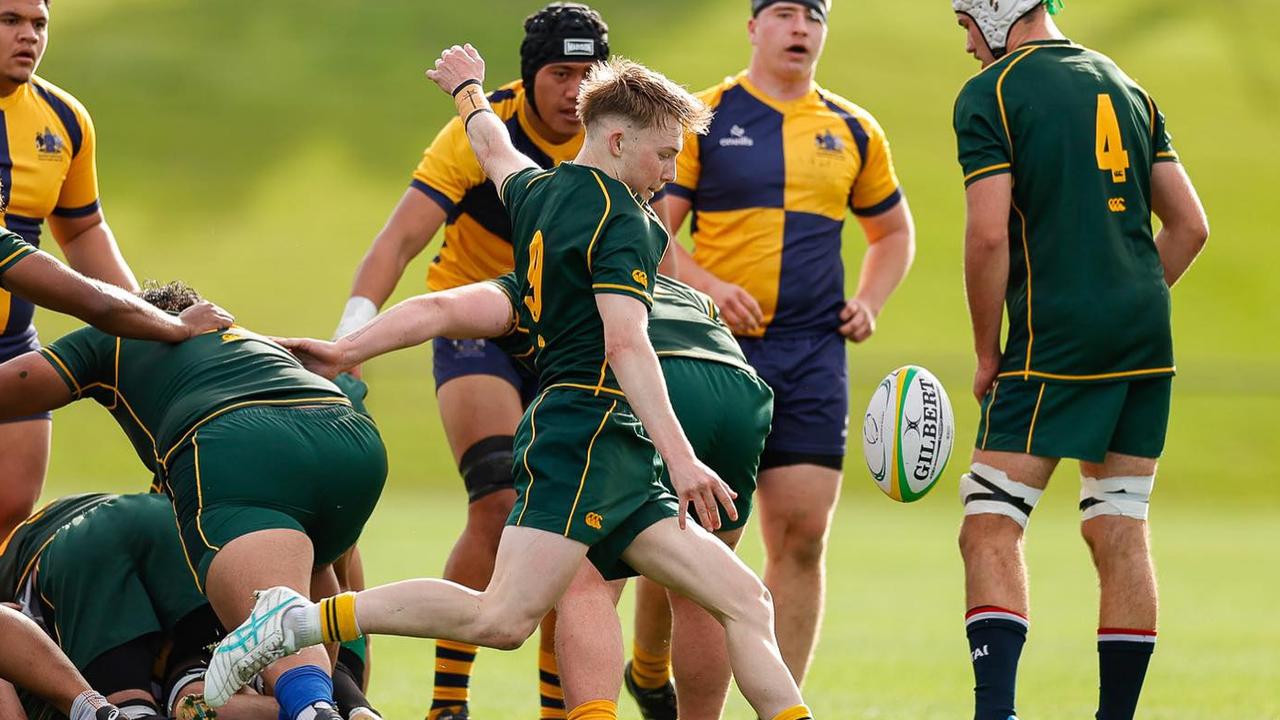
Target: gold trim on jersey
{"type": "Point", "coordinates": [986, 433]}
{"type": "Point", "coordinates": [15, 254]}
{"type": "Point", "coordinates": [582, 482]}
{"type": "Point", "coordinates": [1028, 374]}
{"type": "Point", "coordinates": [323, 399]}
{"type": "Point", "coordinates": [195, 443]}
{"type": "Point", "coordinates": [51, 355]}
{"type": "Point", "coordinates": [608, 206]}
{"type": "Point", "coordinates": [1031, 432]}
{"type": "Point", "coordinates": [612, 286]}
{"type": "Point", "coordinates": [1026, 256]}
{"type": "Point", "coordinates": [597, 389]}
{"type": "Point", "coordinates": [533, 437]}
{"type": "Point", "coordinates": [989, 168]}
{"type": "Point", "coordinates": [1000, 95]}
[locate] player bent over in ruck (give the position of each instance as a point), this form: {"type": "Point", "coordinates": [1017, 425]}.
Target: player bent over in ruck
{"type": "Point", "coordinates": [587, 250]}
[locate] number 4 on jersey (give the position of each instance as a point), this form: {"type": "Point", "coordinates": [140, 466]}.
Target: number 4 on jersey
{"type": "Point", "coordinates": [1110, 145]}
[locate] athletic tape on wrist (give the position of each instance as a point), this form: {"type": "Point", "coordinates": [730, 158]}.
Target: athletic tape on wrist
{"type": "Point", "coordinates": [463, 84]}
{"type": "Point", "coordinates": [358, 311]}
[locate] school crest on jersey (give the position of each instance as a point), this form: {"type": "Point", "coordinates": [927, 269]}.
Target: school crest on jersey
{"type": "Point", "coordinates": [49, 144]}
{"type": "Point", "coordinates": [828, 142]}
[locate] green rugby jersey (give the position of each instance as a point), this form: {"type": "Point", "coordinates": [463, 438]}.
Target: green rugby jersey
{"type": "Point", "coordinates": [686, 323]}
{"type": "Point", "coordinates": [24, 544]}
{"type": "Point", "coordinates": [160, 393]}
{"type": "Point", "coordinates": [577, 232]}
{"type": "Point", "coordinates": [12, 249]}
{"type": "Point", "coordinates": [1087, 299]}
{"type": "Point", "coordinates": [683, 323]}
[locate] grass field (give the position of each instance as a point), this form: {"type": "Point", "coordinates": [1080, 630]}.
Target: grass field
{"type": "Point", "coordinates": [255, 148]}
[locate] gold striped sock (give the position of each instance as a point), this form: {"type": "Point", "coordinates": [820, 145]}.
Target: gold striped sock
{"type": "Point", "coordinates": [595, 710]}
{"type": "Point", "coordinates": [552, 707]}
{"type": "Point", "coordinates": [338, 618]}
{"type": "Point", "coordinates": [648, 670]}
{"type": "Point", "coordinates": [799, 712]}
{"type": "Point", "coordinates": [453, 676]}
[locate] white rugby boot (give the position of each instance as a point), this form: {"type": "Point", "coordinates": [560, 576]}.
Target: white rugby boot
{"type": "Point", "coordinates": [260, 640]}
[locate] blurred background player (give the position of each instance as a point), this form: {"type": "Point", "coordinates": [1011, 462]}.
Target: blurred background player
{"type": "Point", "coordinates": [480, 391]}
{"type": "Point", "coordinates": [769, 188]}
{"type": "Point", "coordinates": [1065, 158]}
{"type": "Point", "coordinates": [47, 171]}
{"type": "Point", "coordinates": [271, 471]}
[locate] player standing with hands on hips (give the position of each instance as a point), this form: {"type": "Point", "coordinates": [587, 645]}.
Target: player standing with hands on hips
{"type": "Point", "coordinates": [1065, 160]}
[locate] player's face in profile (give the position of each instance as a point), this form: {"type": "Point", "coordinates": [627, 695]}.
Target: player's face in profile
{"type": "Point", "coordinates": [555, 90]}
{"type": "Point", "coordinates": [976, 43]}
{"type": "Point", "coordinates": [24, 32]}
{"type": "Point", "coordinates": [649, 156]}
{"type": "Point", "coordinates": [787, 38]}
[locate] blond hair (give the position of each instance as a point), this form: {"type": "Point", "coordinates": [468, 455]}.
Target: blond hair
{"type": "Point", "coordinates": [647, 98]}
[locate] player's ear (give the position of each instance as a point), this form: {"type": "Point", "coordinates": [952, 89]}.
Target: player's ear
{"type": "Point", "coordinates": [615, 142]}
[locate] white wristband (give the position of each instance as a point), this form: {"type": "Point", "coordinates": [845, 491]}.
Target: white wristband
{"type": "Point", "coordinates": [359, 310]}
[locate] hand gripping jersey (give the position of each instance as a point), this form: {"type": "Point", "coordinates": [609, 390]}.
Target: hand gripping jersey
{"type": "Point", "coordinates": [47, 167]}
{"type": "Point", "coordinates": [477, 236]}
{"type": "Point", "coordinates": [771, 184]}
{"type": "Point", "coordinates": [160, 393]}
{"type": "Point", "coordinates": [1087, 298]}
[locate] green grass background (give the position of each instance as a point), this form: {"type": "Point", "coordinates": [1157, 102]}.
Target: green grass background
{"type": "Point", "coordinates": [255, 148]}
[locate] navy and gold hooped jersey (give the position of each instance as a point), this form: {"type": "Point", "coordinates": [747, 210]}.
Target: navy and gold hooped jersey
{"type": "Point", "coordinates": [1087, 298]}
{"type": "Point", "coordinates": [771, 184]}
{"type": "Point", "coordinates": [47, 167]}
{"type": "Point", "coordinates": [477, 236]}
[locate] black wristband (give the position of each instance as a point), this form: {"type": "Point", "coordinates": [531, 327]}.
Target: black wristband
{"type": "Point", "coordinates": [465, 83]}
{"type": "Point", "coordinates": [467, 123]}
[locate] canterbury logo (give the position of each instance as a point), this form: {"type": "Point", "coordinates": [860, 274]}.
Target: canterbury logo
{"type": "Point", "coordinates": [1116, 205]}
{"type": "Point", "coordinates": [594, 520]}
{"type": "Point", "coordinates": [641, 277]}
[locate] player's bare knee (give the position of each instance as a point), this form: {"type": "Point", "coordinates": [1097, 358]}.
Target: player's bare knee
{"type": "Point", "coordinates": [804, 543]}
{"type": "Point", "coordinates": [988, 534]}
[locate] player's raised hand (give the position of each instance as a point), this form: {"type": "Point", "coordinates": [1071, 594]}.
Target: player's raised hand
{"type": "Point", "coordinates": [205, 317]}
{"type": "Point", "coordinates": [321, 357]}
{"type": "Point", "coordinates": [857, 320]}
{"type": "Point", "coordinates": [457, 65]}
{"type": "Point", "coordinates": [738, 308]}
{"type": "Point", "coordinates": [698, 484]}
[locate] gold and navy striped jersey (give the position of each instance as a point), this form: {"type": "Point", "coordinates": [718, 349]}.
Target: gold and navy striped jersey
{"type": "Point", "coordinates": [47, 167]}
{"type": "Point", "coordinates": [477, 236]}
{"type": "Point", "coordinates": [771, 183]}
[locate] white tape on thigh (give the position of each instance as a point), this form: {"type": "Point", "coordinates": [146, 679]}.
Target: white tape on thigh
{"type": "Point", "coordinates": [1127, 496]}
{"type": "Point", "coordinates": [985, 490]}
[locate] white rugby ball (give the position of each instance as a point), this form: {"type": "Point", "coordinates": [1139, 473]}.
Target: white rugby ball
{"type": "Point", "coordinates": [907, 433]}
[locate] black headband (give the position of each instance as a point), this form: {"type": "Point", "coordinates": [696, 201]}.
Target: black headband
{"type": "Point", "coordinates": [819, 8]}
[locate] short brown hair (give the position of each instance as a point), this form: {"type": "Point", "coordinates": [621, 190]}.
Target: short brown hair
{"type": "Point", "coordinates": [173, 297]}
{"type": "Point", "coordinates": [632, 91]}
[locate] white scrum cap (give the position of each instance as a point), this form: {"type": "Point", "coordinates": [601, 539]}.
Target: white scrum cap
{"type": "Point", "coordinates": [996, 17]}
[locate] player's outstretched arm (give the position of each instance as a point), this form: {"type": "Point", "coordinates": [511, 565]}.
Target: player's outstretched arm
{"type": "Point", "coordinates": [986, 270]}
{"type": "Point", "coordinates": [479, 310]}
{"type": "Point", "coordinates": [1186, 228]}
{"type": "Point", "coordinates": [30, 385]}
{"type": "Point", "coordinates": [48, 283]}
{"type": "Point", "coordinates": [460, 72]}
{"type": "Point", "coordinates": [626, 341]}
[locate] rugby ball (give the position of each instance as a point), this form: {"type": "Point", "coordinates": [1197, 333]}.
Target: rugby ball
{"type": "Point", "coordinates": [907, 433]}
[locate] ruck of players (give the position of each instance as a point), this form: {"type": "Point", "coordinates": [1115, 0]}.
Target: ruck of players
{"type": "Point", "coordinates": [617, 404]}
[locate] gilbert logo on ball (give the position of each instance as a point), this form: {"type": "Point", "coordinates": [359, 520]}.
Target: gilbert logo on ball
{"type": "Point", "coordinates": [907, 433]}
